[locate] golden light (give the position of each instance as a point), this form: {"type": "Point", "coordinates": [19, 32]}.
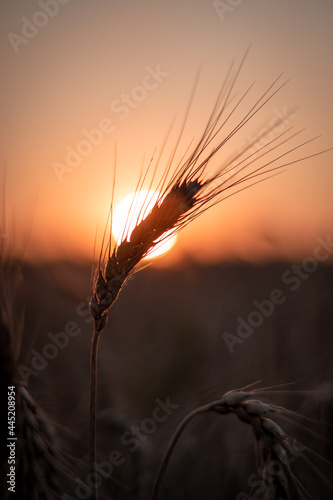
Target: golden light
{"type": "Point", "coordinates": [133, 209]}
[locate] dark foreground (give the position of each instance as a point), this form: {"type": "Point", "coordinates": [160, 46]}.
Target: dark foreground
{"type": "Point", "coordinates": [177, 339]}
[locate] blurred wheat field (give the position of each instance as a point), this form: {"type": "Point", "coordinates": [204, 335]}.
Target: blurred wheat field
{"type": "Point", "coordinates": [171, 348]}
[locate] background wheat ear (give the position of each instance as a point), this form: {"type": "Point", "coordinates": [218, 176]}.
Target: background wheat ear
{"type": "Point", "coordinates": [40, 469]}
{"type": "Point", "coordinates": [277, 451]}
{"type": "Point", "coordinates": [35, 452]}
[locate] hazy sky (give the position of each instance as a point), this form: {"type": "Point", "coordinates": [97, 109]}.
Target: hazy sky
{"type": "Point", "coordinates": [127, 68]}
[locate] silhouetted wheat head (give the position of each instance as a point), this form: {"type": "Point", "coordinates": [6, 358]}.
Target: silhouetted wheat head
{"type": "Point", "coordinates": [187, 188]}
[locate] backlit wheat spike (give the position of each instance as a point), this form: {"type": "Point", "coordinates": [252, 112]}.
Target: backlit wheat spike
{"type": "Point", "coordinates": [187, 189]}
{"type": "Point", "coordinates": [190, 191]}
{"type": "Point", "coordinates": [163, 217]}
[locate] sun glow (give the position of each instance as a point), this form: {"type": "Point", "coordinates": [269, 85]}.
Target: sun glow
{"type": "Point", "coordinates": [133, 209]}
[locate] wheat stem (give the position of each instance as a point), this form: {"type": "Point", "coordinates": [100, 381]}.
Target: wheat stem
{"type": "Point", "coordinates": [273, 444]}
{"type": "Point", "coordinates": [173, 442]}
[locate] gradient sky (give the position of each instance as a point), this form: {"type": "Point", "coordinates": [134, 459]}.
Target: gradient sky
{"type": "Point", "coordinates": [71, 72]}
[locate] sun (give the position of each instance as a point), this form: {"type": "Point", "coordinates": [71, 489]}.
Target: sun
{"type": "Point", "coordinates": [131, 210]}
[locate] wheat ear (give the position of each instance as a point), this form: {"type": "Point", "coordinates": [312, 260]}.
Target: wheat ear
{"type": "Point", "coordinates": [36, 456]}
{"type": "Point", "coordinates": [184, 196]}
{"type": "Point", "coordinates": [273, 444]}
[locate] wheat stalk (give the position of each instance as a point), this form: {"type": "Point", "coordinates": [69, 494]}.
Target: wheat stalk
{"type": "Point", "coordinates": [274, 446]}
{"type": "Point", "coordinates": [184, 194]}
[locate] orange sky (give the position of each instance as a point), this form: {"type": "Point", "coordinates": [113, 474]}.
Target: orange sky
{"type": "Point", "coordinates": [127, 68]}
